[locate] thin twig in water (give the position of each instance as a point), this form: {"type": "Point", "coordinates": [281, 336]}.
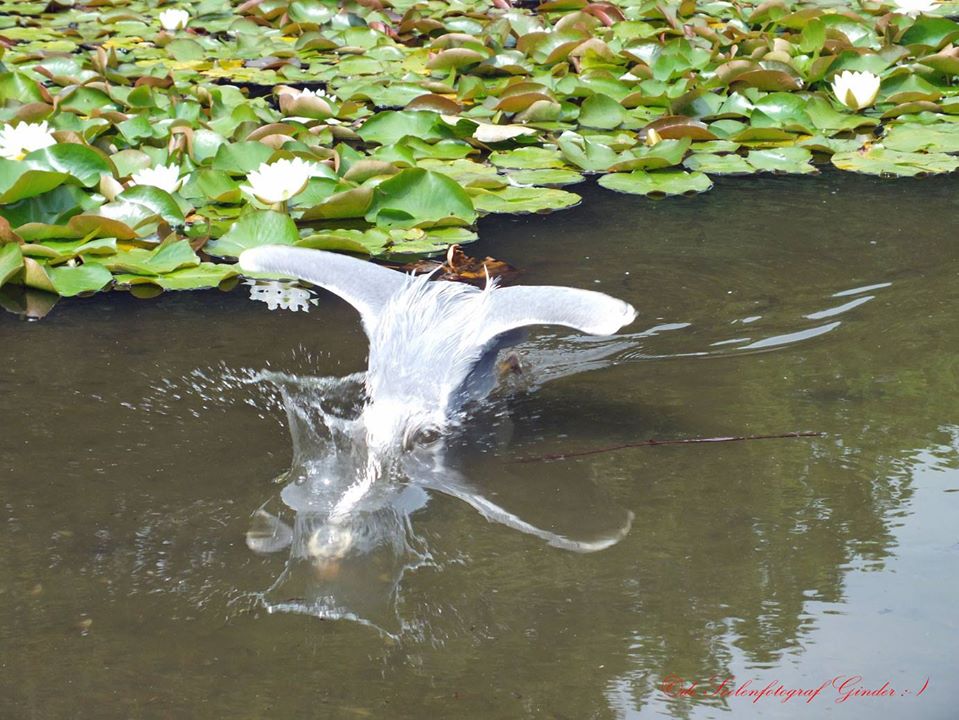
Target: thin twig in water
{"type": "Point", "coordinates": [680, 441]}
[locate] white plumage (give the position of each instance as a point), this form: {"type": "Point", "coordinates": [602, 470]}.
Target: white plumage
{"type": "Point", "coordinates": [433, 344]}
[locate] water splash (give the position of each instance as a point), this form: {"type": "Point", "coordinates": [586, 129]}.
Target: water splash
{"type": "Point", "coordinates": [345, 513]}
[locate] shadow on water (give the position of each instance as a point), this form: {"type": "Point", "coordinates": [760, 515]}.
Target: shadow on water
{"type": "Point", "coordinates": [122, 528]}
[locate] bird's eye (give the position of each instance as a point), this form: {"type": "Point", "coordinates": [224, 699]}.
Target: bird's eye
{"type": "Point", "coordinates": [426, 436]}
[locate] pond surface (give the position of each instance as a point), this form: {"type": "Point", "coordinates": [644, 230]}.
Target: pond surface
{"type": "Point", "coordinates": [135, 449]}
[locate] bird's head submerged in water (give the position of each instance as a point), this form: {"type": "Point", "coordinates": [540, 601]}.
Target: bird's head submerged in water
{"type": "Point", "coordinates": [433, 344]}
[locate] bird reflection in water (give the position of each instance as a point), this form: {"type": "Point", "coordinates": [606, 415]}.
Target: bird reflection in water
{"type": "Point", "coordinates": [369, 449]}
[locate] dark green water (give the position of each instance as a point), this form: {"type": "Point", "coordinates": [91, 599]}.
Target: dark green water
{"type": "Point", "coordinates": [131, 461]}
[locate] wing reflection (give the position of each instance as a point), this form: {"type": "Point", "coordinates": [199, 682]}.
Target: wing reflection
{"type": "Point", "coordinates": [350, 565]}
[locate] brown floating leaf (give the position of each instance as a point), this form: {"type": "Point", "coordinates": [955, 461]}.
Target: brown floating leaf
{"type": "Point", "coordinates": [460, 267]}
{"type": "Point", "coordinates": [673, 127]}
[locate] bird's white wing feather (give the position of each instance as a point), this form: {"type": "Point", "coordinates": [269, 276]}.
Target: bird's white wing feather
{"type": "Point", "coordinates": [365, 286]}
{"type": "Point", "coordinates": [584, 310]}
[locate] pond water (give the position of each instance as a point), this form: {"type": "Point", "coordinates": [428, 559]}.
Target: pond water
{"type": "Point", "coordinates": [137, 444]}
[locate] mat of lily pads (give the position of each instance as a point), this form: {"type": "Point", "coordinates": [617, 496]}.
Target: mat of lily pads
{"type": "Point", "coordinates": [145, 145]}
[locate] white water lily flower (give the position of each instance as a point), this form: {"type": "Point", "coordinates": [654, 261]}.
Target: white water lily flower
{"type": "Point", "coordinates": [915, 7]}
{"type": "Point", "coordinates": [174, 19]}
{"type": "Point", "coordinates": [310, 104]}
{"type": "Point", "coordinates": [856, 90]}
{"type": "Point", "coordinates": [307, 93]}
{"type": "Point", "coordinates": [17, 141]}
{"type": "Point", "coordinates": [279, 181]}
{"type": "Point", "coordinates": [165, 177]}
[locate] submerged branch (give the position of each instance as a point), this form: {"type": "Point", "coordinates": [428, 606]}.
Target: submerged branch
{"type": "Point", "coordinates": [678, 441]}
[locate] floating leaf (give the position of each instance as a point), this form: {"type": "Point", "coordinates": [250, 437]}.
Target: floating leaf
{"type": "Point", "coordinates": [264, 227]}
{"type": "Point", "coordinates": [793, 160]}
{"type": "Point", "coordinates": [657, 184]}
{"type": "Point", "coordinates": [11, 261]}
{"type": "Point", "coordinates": [157, 201]}
{"type": "Point", "coordinates": [545, 176]}
{"type": "Point", "coordinates": [523, 200]}
{"type": "Point", "coordinates": [78, 161]}
{"type": "Point", "coordinates": [386, 128]}
{"type": "Point", "coordinates": [880, 161]}
{"type": "Point", "coordinates": [730, 164]}
{"type": "Point", "coordinates": [20, 183]}
{"type": "Point", "coordinates": [912, 137]}
{"type": "Point", "coordinates": [204, 275]}
{"type": "Point", "coordinates": [528, 158]}
{"type": "Point", "coordinates": [601, 111]}
{"type": "Point", "coordinates": [139, 261]}
{"type": "Point", "coordinates": [415, 197]}
{"type": "Point", "coordinates": [70, 281]}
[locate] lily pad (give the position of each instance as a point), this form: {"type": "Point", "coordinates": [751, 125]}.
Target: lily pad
{"type": "Point", "coordinates": [731, 164]}
{"type": "Point", "coordinates": [70, 281]}
{"type": "Point", "coordinates": [657, 184]}
{"type": "Point", "coordinates": [157, 201]}
{"type": "Point", "coordinates": [912, 137]}
{"type": "Point", "coordinates": [792, 160]}
{"type": "Point", "coordinates": [545, 176]}
{"type": "Point", "coordinates": [264, 227]}
{"type": "Point", "coordinates": [11, 261]}
{"type": "Point", "coordinates": [523, 200]}
{"type": "Point", "coordinates": [204, 275]}
{"type": "Point", "coordinates": [881, 161]}
{"type": "Point", "coordinates": [77, 161]}
{"type": "Point", "coordinates": [159, 261]}
{"type": "Point", "coordinates": [417, 197]}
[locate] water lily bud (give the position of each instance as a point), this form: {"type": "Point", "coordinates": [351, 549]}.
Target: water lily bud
{"type": "Point", "coordinates": [110, 187]}
{"type": "Point", "coordinates": [856, 90]}
{"type": "Point", "coordinates": [174, 19]}
{"type": "Point", "coordinates": [653, 137]}
{"type": "Point", "coordinates": [780, 45]}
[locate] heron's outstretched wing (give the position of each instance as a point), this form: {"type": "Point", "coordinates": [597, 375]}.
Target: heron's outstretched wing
{"type": "Point", "coordinates": [362, 284]}
{"type": "Point", "coordinates": [587, 311]}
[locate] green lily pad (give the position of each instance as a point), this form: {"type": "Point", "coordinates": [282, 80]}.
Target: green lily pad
{"type": "Point", "coordinates": [545, 176]}
{"type": "Point", "coordinates": [70, 281]}
{"type": "Point", "coordinates": [881, 161]}
{"type": "Point", "coordinates": [11, 261]}
{"type": "Point", "coordinates": [77, 161]}
{"type": "Point", "coordinates": [157, 201]}
{"type": "Point", "coordinates": [912, 137]}
{"type": "Point", "coordinates": [264, 227]}
{"type": "Point", "coordinates": [66, 250]}
{"type": "Point", "coordinates": [931, 32]}
{"type": "Point", "coordinates": [660, 183]}
{"type": "Point", "coordinates": [242, 157]}
{"type": "Point", "coordinates": [55, 206]}
{"type": "Point", "coordinates": [601, 111]}
{"type": "Point", "coordinates": [589, 155]}
{"type": "Point", "coordinates": [386, 128]}
{"type": "Point", "coordinates": [418, 242]}
{"type": "Point", "coordinates": [159, 261]}
{"type": "Point", "coordinates": [731, 164]}
{"type": "Point", "coordinates": [792, 160]}
{"type": "Point", "coordinates": [204, 275]}
{"type": "Point", "coordinates": [523, 200]}
{"type": "Point", "coordinates": [417, 197]}
{"type": "Point", "coordinates": [20, 183]}
{"type": "Point", "coordinates": [527, 158]}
